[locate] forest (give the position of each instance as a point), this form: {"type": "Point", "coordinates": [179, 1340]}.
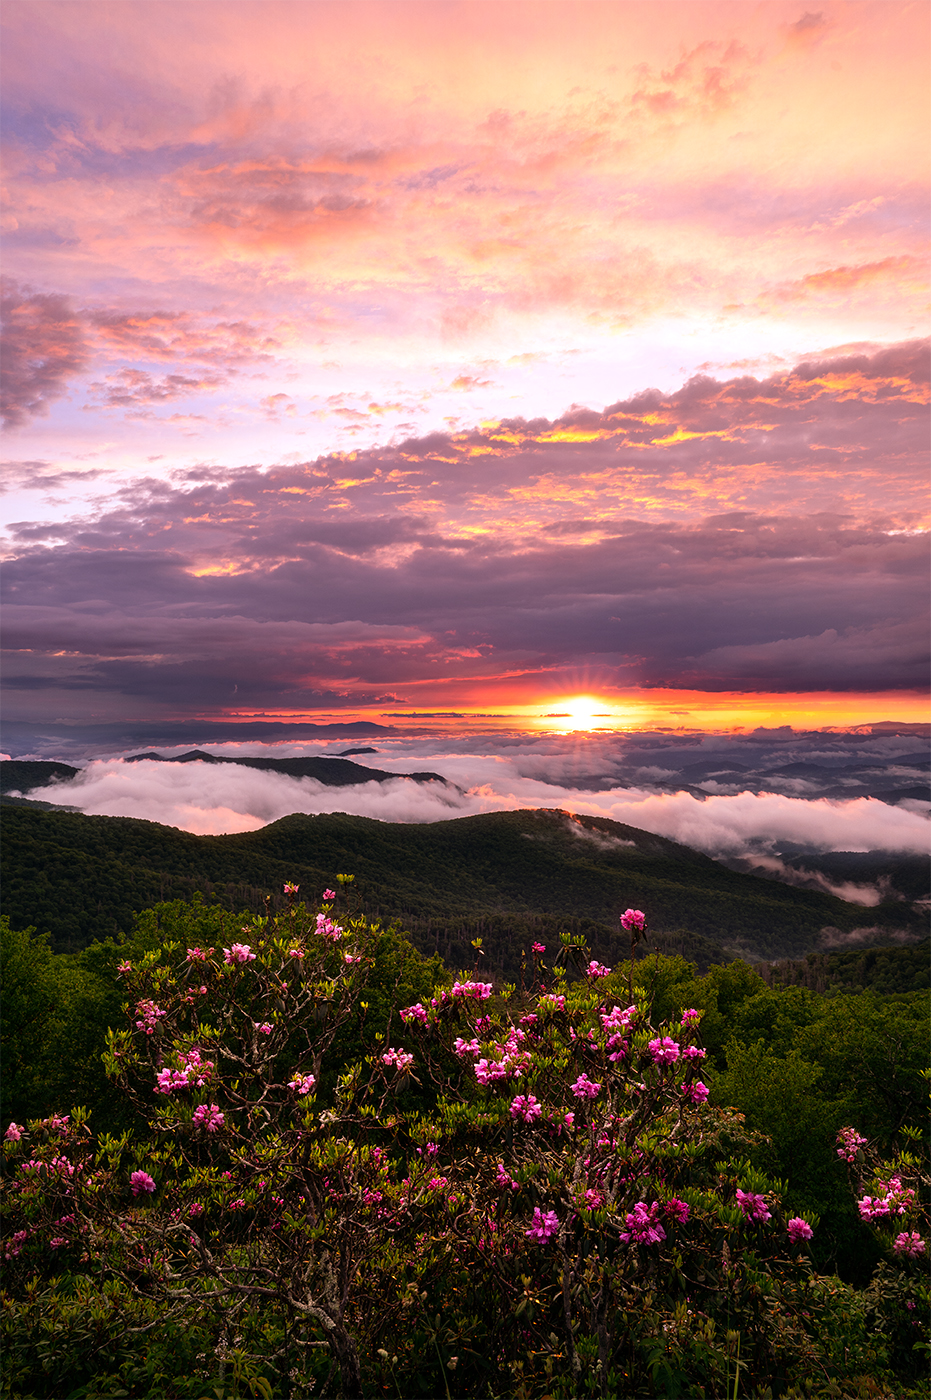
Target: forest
{"type": "Point", "coordinates": [288, 1153]}
{"type": "Point", "coordinates": [498, 876]}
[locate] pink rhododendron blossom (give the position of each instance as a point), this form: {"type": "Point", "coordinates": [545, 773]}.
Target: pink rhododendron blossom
{"type": "Point", "coordinates": [679, 1210]}
{"type": "Point", "coordinates": [436, 1182]}
{"type": "Point", "coordinates": [329, 894]}
{"type": "Point", "coordinates": [327, 929]}
{"type": "Point", "coordinates": [14, 1132]}
{"type": "Point", "coordinates": [401, 1058]}
{"type": "Point", "coordinates": [597, 969]}
{"type": "Point", "coordinates": [124, 967]}
{"type": "Point", "coordinates": [553, 1002]}
{"type": "Point", "coordinates": [895, 1199]}
{"type": "Point", "coordinates": [909, 1244]}
{"type": "Point", "coordinates": [583, 1088]}
{"type": "Point", "coordinates": [482, 1024]}
{"type": "Point", "coordinates": [545, 1225]}
{"type": "Point", "coordinates": [302, 1083]}
{"type": "Point", "coordinates": [799, 1229]}
{"type": "Point", "coordinates": [753, 1206]}
{"type": "Point", "coordinates": [15, 1244]}
{"type": "Point", "coordinates": [690, 1017]}
{"type": "Point", "coordinates": [693, 1052]}
{"type": "Point", "coordinates": [527, 1107]}
{"type": "Point", "coordinates": [633, 919]}
{"type": "Point", "coordinates": [642, 1224]}
{"type": "Point", "coordinates": [481, 991]}
{"type": "Point", "coordinates": [618, 1047]}
{"type": "Point", "coordinates": [466, 1047]}
{"type": "Point", "coordinates": [57, 1243]}
{"type": "Point", "coordinates": [665, 1051]}
{"type": "Point", "coordinates": [351, 958]}
{"type": "Point", "coordinates": [417, 1013]}
{"type": "Point", "coordinates": [263, 1027]}
{"type": "Point", "coordinates": [196, 955]}
{"type": "Point", "coordinates": [149, 1015]}
{"type": "Point", "coordinates": [290, 889]}
{"type": "Point", "coordinates": [503, 1179]}
{"type": "Point", "coordinates": [295, 952]}
{"type": "Point", "coordinates": [618, 1020]}
{"type": "Point", "coordinates": [539, 947]}
{"type": "Point", "coordinates": [195, 1209]}
{"type": "Point", "coordinates": [240, 953]}
{"type": "Point", "coordinates": [141, 1181]}
{"type": "Point", "coordinates": [238, 1204]}
{"type": "Point", "coordinates": [849, 1143]}
{"type": "Point", "coordinates": [208, 1116]}
{"type": "Point", "coordinates": [594, 1200]}
{"type": "Point", "coordinates": [697, 1092]}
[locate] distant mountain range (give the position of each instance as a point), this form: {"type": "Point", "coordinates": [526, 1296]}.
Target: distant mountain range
{"type": "Point", "coordinates": [507, 877]}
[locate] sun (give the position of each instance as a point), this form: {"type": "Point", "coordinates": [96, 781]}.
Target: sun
{"type": "Point", "coordinates": [583, 707]}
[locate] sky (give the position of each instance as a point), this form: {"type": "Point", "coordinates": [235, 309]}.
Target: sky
{"type": "Point", "coordinates": [550, 363]}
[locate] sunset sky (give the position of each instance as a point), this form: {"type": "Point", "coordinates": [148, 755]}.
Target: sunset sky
{"type": "Point", "coordinates": [529, 358]}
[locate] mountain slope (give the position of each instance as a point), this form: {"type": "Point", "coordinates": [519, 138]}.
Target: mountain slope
{"type": "Point", "coordinates": [503, 875]}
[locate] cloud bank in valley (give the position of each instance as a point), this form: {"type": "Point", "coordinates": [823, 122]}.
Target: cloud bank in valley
{"type": "Point", "coordinates": [557, 772]}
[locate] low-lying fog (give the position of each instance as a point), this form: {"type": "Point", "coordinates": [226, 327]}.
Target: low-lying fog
{"type": "Point", "coordinates": [761, 797]}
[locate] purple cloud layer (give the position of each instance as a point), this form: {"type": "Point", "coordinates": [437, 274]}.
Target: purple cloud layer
{"type": "Point", "coordinates": [529, 552]}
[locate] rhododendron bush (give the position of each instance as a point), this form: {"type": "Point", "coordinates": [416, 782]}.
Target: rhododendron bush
{"type": "Point", "coordinates": [510, 1192]}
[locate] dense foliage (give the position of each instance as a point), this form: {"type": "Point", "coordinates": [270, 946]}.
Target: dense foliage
{"type": "Point", "coordinates": [502, 876]}
{"type": "Point", "coordinates": [326, 1166]}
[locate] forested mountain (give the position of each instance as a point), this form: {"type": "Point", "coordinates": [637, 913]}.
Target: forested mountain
{"type": "Point", "coordinates": [497, 876]}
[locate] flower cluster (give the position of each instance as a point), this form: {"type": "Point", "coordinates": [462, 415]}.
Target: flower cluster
{"type": "Point", "coordinates": [329, 895]}
{"type": "Point", "coordinates": [149, 1015]}
{"type": "Point", "coordinates": [545, 1225]}
{"type": "Point", "coordinates": [509, 1062]}
{"type": "Point", "coordinates": [690, 1017]}
{"type": "Point", "coordinates": [642, 1224]}
{"type": "Point", "coordinates": [302, 1083]}
{"type": "Point", "coordinates": [141, 1183]}
{"type": "Point", "coordinates": [527, 1107]}
{"type": "Point", "coordinates": [618, 1020]}
{"type": "Point", "coordinates": [895, 1199]}
{"type": "Point", "coordinates": [799, 1229]}
{"type": "Point", "coordinates": [290, 889]}
{"type": "Point", "coordinates": [552, 1002]}
{"type": "Point", "coordinates": [583, 1088]}
{"type": "Point", "coordinates": [633, 919]}
{"type": "Point", "coordinates": [909, 1244]}
{"type": "Point", "coordinates": [240, 953]}
{"type": "Point", "coordinates": [539, 948]}
{"type": "Point", "coordinates": [326, 928]}
{"type": "Point", "coordinates": [481, 991]}
{"type": "Point", "coordinates": [849, 1143]}
{"type": "Point", "coordinates": [665, 1050]}
{"type": "Point", "coordinates": [208, 1116]}
{"type": "Point", "coordinates": [14, 1132]}
{"type": "Point", "coordinates": [402, 1059]}
{"type": "Point", "coordinates": [695, 1093]}
{"type": "Point", "coordinates": [195, 1073]}
{"type": "Point", "coordinates": [198, 954]}
{"type": "Point", "coordinates": [415, 1013]}
{"type": "Point", "coordinates": [597, 969]}
{"type": "Point", "coordinates": [753, 1205]}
